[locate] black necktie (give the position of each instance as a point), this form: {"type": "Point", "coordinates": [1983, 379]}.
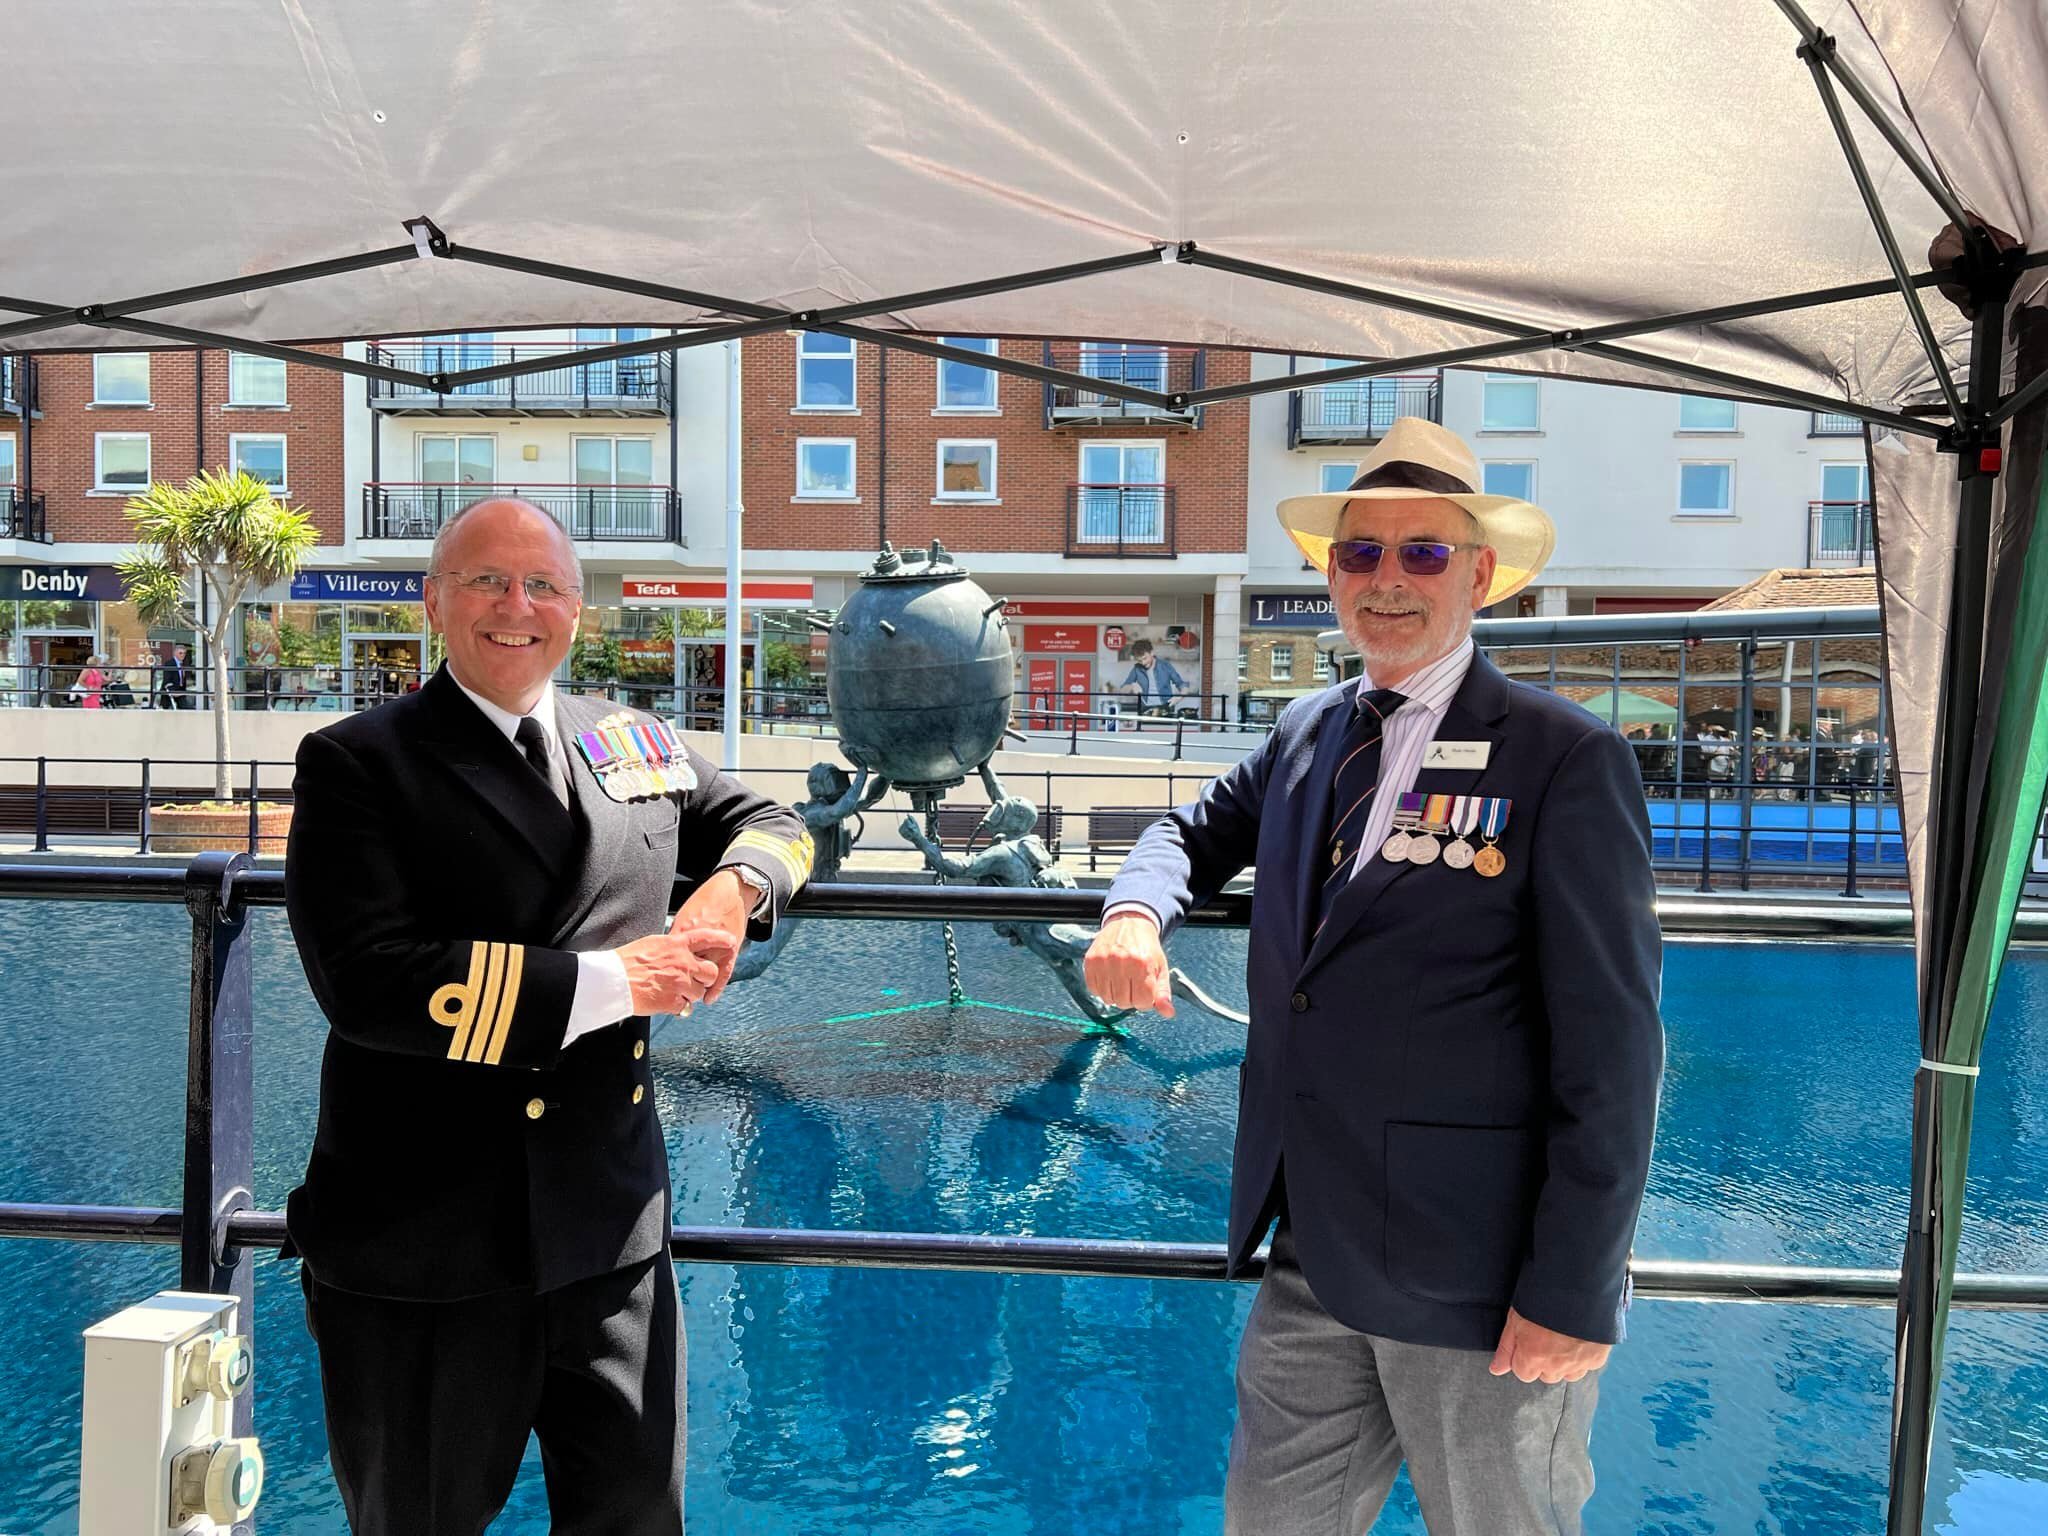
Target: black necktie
{"type": "Point", "coordinates": [1351, 794]}
{"type": "Point", "coordinates": [533, 741]}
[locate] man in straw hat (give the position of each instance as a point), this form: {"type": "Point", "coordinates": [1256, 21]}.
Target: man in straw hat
{"type": "Point", "coordinates": [1450, 1082]}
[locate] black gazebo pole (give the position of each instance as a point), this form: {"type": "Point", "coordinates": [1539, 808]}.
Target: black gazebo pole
{"type": "Point", "coordinates": [1934, 1206]}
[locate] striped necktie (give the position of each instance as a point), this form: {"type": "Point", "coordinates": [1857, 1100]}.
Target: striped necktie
{"type": "Point", "coordinates": [1351, 789]}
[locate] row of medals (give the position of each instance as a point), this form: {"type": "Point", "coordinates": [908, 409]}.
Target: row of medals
{"type": "Point", "coordinates": [1415, 841]}
{"type": "Point", "coordinates": [1421, 847]}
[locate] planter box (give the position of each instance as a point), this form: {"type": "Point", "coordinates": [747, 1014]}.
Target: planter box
{"type": "Point", "coordinates": [211, 829]}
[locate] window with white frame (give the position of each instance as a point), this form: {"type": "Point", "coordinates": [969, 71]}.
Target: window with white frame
{"type": "Point", "coordinates": [967, 470]}
{"type": "Point", "coordinates": [1280, 661]}
{"type": "Point", "coordinates": [1244, 661]}
{"type": "Point", "coordinates": [255, 380]}
{"type": "Point", "coordinates": [259, 454]}
{"type": "Point", "coordinates": [824, 372]}
{"type": "Point", "coordinates": [1337, 476]}
{"type": "Point", "coordinates": [1122, 494]}
{"type": "Point", "coordinates": [1509, 477]}
{"type": "Point", "coordinates": [6, 461]}
{"type": "Point", "coordinates": [1706, 489]}
{"type": "Point", "coordinates": [1322, 665]}
{"type": "Point", "coordinates": [1510, 404]}
{"type": "Point", "coordinates": [120, 378]}
{"type": "Point", "coordinates": [120, 461]}
{"type": "Point", "coordinates": [1702, 413]}
{"type": "Point", "coordinates": [824, 468]}
{"type": "Point", "coordinates": [962, 386]}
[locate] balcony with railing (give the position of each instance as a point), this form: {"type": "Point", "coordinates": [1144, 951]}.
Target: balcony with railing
{"type": "Point", "coordinates": [1840, 533]}
{"type": "Point", "coordinates": [1361, 410]}
{"type": "Point", "coordinates": [1834, 424]}
{"type": "Point", "coordinates": [627, 386]}
{"type": "Point", "coordinates": [21, 515]}
{"type": "Point", "coordinates": [650, 514]}
{"type": "Point", "coordinates": [18, 385]}
{"type": "Point", "coordinates": [1120, 522]}
{"type": "Point", "coordinates": [1163, 370]}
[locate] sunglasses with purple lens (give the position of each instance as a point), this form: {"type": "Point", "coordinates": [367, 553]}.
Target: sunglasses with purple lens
{"type": "Point", "coordinates": [1361, 557]}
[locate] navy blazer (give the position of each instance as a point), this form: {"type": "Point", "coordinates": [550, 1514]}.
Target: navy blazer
{"type": "Point", "coordinates": [1460, 1076]}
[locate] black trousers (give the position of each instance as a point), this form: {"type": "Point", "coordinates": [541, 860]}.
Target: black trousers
{"type": "Point", "coordinates": [429, 1404]}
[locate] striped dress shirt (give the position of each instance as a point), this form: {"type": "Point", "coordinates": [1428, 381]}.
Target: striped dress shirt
{"type": "Point", "coordinates": [1409, 731]}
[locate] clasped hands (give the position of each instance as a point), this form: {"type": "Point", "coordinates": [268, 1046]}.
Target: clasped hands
{"type": "Point", "coordinates": [693, 960]}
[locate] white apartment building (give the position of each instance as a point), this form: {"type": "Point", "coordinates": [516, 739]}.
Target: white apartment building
{"type": "Point", "coordinates": [1662, 501]}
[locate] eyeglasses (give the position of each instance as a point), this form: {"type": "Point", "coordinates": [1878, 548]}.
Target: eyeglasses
{"type": "Point", "coordinates": [494, 585]}
{"type": "Point", "coordinates": [1361, 557]}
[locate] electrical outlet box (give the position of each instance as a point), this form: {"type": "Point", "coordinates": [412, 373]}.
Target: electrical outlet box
{"type": "Point", "coordinates": [160, 1452]}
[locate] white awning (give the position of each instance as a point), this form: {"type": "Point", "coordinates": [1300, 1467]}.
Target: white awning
{"type": "Point", "coordinates": [1556, 165]}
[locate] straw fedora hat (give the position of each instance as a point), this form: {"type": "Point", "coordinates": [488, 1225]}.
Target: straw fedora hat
{"type": "Point", "coordinates": [1419, 458]}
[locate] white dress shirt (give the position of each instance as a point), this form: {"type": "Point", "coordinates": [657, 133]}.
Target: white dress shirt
{"type": "Point", "coordinates": [1407, 734]}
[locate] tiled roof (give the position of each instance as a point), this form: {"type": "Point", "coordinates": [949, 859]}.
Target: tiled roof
{"type": "Point", "coordinates": [1833, 588]}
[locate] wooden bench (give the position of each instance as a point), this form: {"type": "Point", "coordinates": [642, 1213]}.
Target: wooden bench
{"type": "Point", "coordinates": [957, 823]}
{"type": "Point", "coordinates": [1117, 828]}
{"type": "Point", "coordinates": [101, 810]}
{"type": "Point", "coordinates": [93, 810]}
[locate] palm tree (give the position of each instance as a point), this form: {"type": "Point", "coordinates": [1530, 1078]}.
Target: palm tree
{"type": "Point", "coordinates": [223, 527]}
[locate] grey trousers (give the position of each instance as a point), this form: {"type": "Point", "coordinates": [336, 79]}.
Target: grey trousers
{"type": "Point", "coordinates": [1326, 1416]}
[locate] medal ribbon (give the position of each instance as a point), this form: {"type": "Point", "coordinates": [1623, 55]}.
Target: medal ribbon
{"type": "Point", "coordinates": [1465, 815]}
{"type": "Point", "coordinates": [1496, 818]}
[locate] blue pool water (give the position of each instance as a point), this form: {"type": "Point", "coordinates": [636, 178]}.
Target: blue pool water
{"type": "Point", "coordinates": [831, 1401]}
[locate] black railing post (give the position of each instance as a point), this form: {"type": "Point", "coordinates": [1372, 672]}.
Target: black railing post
{"type": "Point", "coordinates": [42, 805]}
{"type": "Point", "coordinates": [142, 813]}
{"type": "Point", "coordinates": [219, 1095]}
{"type": "Point", "coordinates": [254, 820]}
{"type": "Point", "coordinates": [1706, 885]}
{"type": "Point", "coordinates": [1180, 725]}
{"type": "Point", "coordinates": [1849, 888]}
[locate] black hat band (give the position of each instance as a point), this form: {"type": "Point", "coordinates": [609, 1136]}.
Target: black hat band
{"type": "Point", "coordinates": [1404, 475]}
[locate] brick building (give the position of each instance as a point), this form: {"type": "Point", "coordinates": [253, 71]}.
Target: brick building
{"type": "Point", "coordinates": [1107, 525]}
{"type": "Point", "coordinates": [80, 433]}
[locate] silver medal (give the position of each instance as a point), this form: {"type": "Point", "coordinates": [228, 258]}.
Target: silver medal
{"type": "Point", "coordinates": [1458, 855]}
{"type": "Point", "coordinates": [1423, 849]}
{"type": "Point", "coordinates": [1395, 848]}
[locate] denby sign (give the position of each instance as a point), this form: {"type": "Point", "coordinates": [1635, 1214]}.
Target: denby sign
{"type": "Point", "coordinates": [62, 583]}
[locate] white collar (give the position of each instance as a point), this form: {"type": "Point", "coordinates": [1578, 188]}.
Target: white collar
{"type": "Point", "coordinates": [543, 710]}
{"type": "Point", "coordinates": [1433, 685]}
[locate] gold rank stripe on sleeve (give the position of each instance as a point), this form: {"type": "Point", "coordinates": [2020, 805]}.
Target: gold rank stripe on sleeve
{"type": "Point", "coordinates": [480, 1009]}
{"type": "Point", "coordinates": [794, 854]}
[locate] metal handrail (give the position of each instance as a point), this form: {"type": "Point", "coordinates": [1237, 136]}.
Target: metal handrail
{"type": "Point", "coordinates": [1682, 917]}
{"type": "Point", "coordinates": [1083, 1257]}
{"type": "Point", "coordinates": [645, 385]}
{"type": "Point", "coordinates": [401, 509]}
{"type": "Point", "coordinates": [1149, 507]}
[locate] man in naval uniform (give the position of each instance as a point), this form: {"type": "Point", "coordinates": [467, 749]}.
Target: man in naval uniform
{"type": "Point", "coordinates": [1450, 1081]}
{"type": "Point", "coordinates": [478, 880]}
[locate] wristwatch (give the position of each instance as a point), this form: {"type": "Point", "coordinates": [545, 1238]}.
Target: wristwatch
{"type": "Point", "coordinates": [758, 882]}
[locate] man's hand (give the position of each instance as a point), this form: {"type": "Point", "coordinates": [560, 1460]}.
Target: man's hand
{"type": "Point", "coordinates": [713, 924]}
{"type": "Point", "coordinates": [1532, 1352]}
{"type": "Point", "coordinates": [667, 975]}
{"type": "Point", "coordinates": [1126, 965]}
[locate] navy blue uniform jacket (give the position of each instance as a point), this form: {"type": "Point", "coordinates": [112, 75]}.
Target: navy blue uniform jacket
{"type": "Point", "coordinates": [439, 894]}
{"type": "Point", "coordinates": [1458, 1080]}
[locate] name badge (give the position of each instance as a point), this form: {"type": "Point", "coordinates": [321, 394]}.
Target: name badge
{"type": "Point", "coordinates": [1457, 754]}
